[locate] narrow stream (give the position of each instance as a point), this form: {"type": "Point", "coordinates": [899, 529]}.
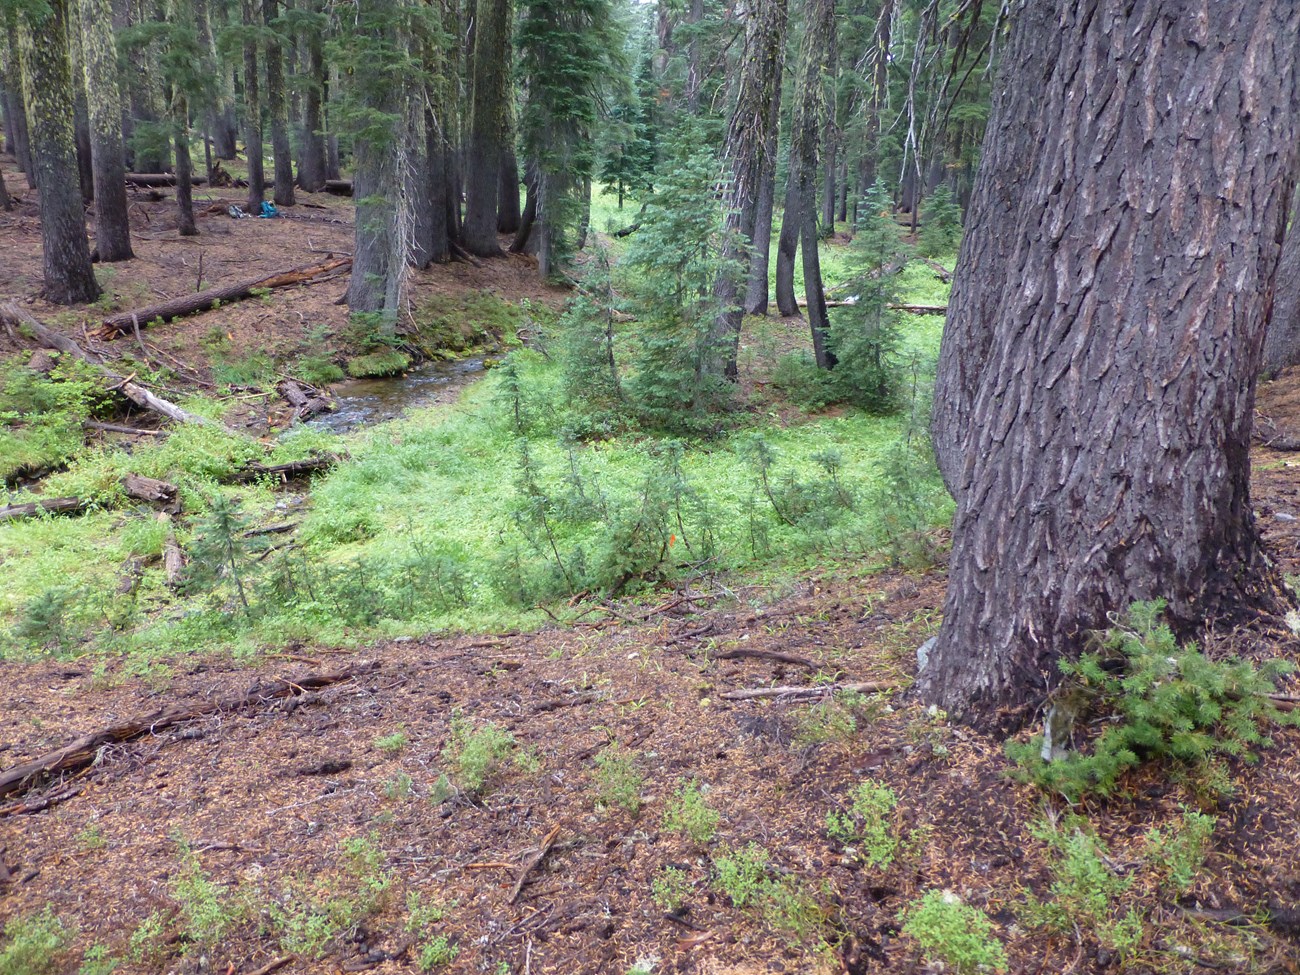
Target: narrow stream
{"type": "Point", "coordinates": [365, 402]}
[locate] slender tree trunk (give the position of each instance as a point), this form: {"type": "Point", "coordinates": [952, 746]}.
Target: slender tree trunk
{"type": "Point", "coordinates": [184, 169]}
{"type": "Point", "coordinates": [694, 65]}
{"type": "Point", "coordinates": [253, 111]}
{"type": "Point", "coordinates": [761, 251]}
{"type": "Point", "coordinates": [221, 110]}
{"type": "Point", "coordinates": [750, 137]}
{"type": "Point", "coordinates": [47, 88]}
{"type": "Point", "coordinates": [1282, 343]}
{"type": "Point", "coordinates": [1093, 420]}
{"type": "Point", "coordinates": [145, 93]}
{"type": "Point", "coordinates": [81, 116]}
{"type": "Point", "coordinates": [527, 220]}
{"type": "Point", "coordinates": [311, 159]}
{"type": "Point", "coordinates": [277, 108]}
{"type": "Point", "coordinates": [112, 226]}
{"type": "Point", "coordinates": [14, 106]}
{"type": "Point", "coordinates": [488, 123]}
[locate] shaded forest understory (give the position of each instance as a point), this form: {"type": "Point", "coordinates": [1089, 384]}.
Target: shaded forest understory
{"type": "Point", "coordinates": [583, 788]}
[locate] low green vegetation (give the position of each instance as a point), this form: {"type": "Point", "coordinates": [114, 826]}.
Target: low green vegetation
{"type": "Point", "coordinates": [1164, 703]}
{"type": "Point", "coordinates": [959, 936]}
{"type": "Point", "coordinates": [32, 945]}
{"type": "Point", "coordinates": [479, 753]}
{"type": "Point", "coordinates": [618, 780]}
{"type": "Point", "coordinates": [868, 823]}
{"type": "Point", "coordinates": [689, 814]}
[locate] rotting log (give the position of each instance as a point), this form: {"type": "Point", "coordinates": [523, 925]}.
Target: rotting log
{"type": "Point", "coordinates": [304, 404]}
{"type": "Point", "coordinates": [173, 556]}
{"type": "Point", "coordinates": [795, 693]}
{"type": "Point", "coordinates": [82, 753]}
{"type": "Point", "coordinates": [51, 506]}
{"type": "Point", "coordinates": [16, 320]}
{"type": "Point", "coordinates": [286, 472]}
{"type": "Point", "coordinates": [159, 179]}
{"type": "Point", "coordinates": [339, 187]}
{"type": "Point", "coordinates": [123, 322]}
{"type": "Point", "coordinates": [151, 489]}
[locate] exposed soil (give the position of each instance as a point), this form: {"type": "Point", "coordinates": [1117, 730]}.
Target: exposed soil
{"type": "Point", "coordinates": [265, 795]}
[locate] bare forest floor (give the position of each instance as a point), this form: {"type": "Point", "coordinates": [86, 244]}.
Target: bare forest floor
{"type": "Point", "coordinates": [333, 796]}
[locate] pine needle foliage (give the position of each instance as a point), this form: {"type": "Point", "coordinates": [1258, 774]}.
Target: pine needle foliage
{"type": "Point", "coordinates": [1159, 702]}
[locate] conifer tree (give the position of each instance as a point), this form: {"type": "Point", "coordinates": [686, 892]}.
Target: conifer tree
{"type": "Point", "coordinates": [489, 94]}
{"type": "Point", "coordinates": [47, 90]}
{"type": "Point", "coordinates": [252, 104]}
{"type": "Point", "coordinates": [277, 108]}
{"type": "Point", "coordinates": [112, 227]}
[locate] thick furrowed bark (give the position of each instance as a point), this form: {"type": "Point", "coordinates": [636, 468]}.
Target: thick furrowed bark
{"type": "Point", "coordinates": [1095, 413]}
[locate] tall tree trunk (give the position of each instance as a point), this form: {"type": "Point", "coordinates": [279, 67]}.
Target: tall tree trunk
{"type": "Point", "coordinates": [1282, 343]}
{"type": "Point", "coordinates": [145, 95]}
{"type": "Point", "coordinates": [694, 62]}
{"type": "Point", "coordinates": [528, 218]}
{"type": "Point", "coordinates": [47, 89]}
{"type": "Point", "coordinates": [184, 169]}
{"type": "Point", "coordinates": [1094, 420]}
{"type": "Point", "coordinates": [277, 108]}
{"type": "Point", "coordinates": [15, 110]}
{"type": "Point", "coordinates": [508, 193]}
{"type": "Point", "coordinates": [750, 137]}
{"type": "Point", "coordinates": [311, 158]}
{"type": "Point", "coordinates": [221, 109]}
{"type": "Point", "coordinates": [81, 116]}
{"type": "Point", "coordinates": [112, 225]}
{"type": "Point", "coordinates": [488, 119]}
{"type": "Point", "coordinates": [760, 252]}
{"type": "Point", "coordinates": [253, 110]}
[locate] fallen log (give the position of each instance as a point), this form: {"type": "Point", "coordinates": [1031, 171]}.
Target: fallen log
{"type": "Point", "coordinates": [940, 272]}
{"type": "Point", "coordinates": [122, 428]}
{"type": "Point", "coordinates": [123, 322]}
{"type": "Point", "coordinates": [14, 317]}
{"type": "Point", "coordinates": [754, 653]}
{"type": "Point", "coordinates": [51, 506]}
{"type": "Point", "coordinates": [286, 472]}
{"type": "Point", "coordinates": [150, 489]}
{"type": "Point", "coordinates": [305, 405]}
{"type": "Point", "coordinates": [797, 693]}
{"type": "Point", "coordinates": [173, 556]}
{"type": "Point", "coordinates": [81, 753]}
{"type": "Point", "coordinates": [339, 187]}
{"type": "Point", "coordinates": [159, 179]}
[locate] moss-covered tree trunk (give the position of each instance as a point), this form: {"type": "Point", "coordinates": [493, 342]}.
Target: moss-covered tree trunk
{"type": "Point", "coordinates": [112, 226]}
{"type": "Point", "coordinates": [221, 109]}
{"type": "Point", "coordinates": [489, 105]}
{"type": "Point", "coordinates": [15, 110]}
{"type": "Point", "coordinates": [47, 92]}
{"type": "Point", "coordinates": [253, 148]}
{"type": "Point", "coordinates": [277, 107]}
{"type": "Point", "coordinates": [81, 112]}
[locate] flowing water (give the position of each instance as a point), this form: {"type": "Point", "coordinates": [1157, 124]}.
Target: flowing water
{"type": "Point", "coordinates": [365, 402]}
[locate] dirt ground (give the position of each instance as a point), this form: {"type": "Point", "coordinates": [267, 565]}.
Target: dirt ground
{"type": "Point", "coordinates": [264, 795]}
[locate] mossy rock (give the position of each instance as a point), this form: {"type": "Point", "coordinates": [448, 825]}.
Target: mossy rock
{"type": "Point", "coordinates": [386, 363]}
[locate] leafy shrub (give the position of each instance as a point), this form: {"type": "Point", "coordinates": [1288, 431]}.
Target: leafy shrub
{"type": "Point", "coordinates": [956, 934]}
{"type": "Point", "coordinates": [690, 815]}
{"type": "Point", "coordinates": [208, 913]}
{"type": "Point", "coordinates": [741, 873]}
{"type": "Point", "coordinates": [1167, 703]}
{"type": "Point", "coordinates": [1178, 851]}
{"type": "Point", "coordinates": [1085, 891]}
{"type": "Point", "coordinates": [868, 824]}
{"type": "Point", "coordinates": [479, 755]}
{"type": "Point", "coordinates": [618, 780]}
{"type": "Point", "coordinates": [33, 944]}
{"type": "Point", "coordinates": [393, 744]}
{"type": "Point", "coordinates": [670, 889]}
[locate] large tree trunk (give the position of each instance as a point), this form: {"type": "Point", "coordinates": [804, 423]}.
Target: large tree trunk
{"type": "Point", "coordinates": [221, 107]}
{"type": "Point", "coordinates": [750, 137]}
{"type": "Point", "coordinates": [1094, 417]}
{"type": "Point", "coordinates": [112, 226]}
{"type": "Point", "coordinates": [47, 87]}
{"type": "Point", "coordinates": [508, 214]}
{"type": "Point", "coordinates": [184, 170]}
{"type": "Point", "coordinates": [760, 252]}
{"type": "Point", "coordinates": [277, 108]}
{"type": "Point", "coordinates": [15, 112]}
{"type": "Point", "coordinates": [252, 110]}
{"type": "Point", "coordinates": [311, 158]}
{"type": "Point", "coordinates": [488, 118]}
{"type": "Point", "coordinates": [81, 112]}
{"type": "Point", "coordinates": [1282, 344]}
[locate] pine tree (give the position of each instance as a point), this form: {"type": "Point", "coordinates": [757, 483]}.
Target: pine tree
{"type": "Point", "coordinates": [489, 105]}
{"type": "Point", "coordinates": [112, 227]}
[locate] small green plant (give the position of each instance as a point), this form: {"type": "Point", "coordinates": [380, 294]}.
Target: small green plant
{"type": "Point", "coordinates": [438, 952]}
{"type": "Point", "coordinates": [98, 960]}
{"type": "Point", "coordinates": [741, 873]}
{"type": "Point", "coordinates": [1168, 703]}
{"type": "Point", "coordinates": [790, 907]}
{"type": "Point", "coordinates": [1178, 851]}
{"type": "Point", "coordinates": [399, 786]}
{"type": "Point", "coordinates": [868, 824]}
{"type": "Point", "coordinates": [393, 744]}
{"type": "Point", "coordinates": [208, 913]}
{"type": "Point", "coordinates": [689, 814]}
{"type": "Point", "coordinates": [92, 838]}
{"type": "Point", "coordinates": [670, 889]}
{"type": "Point", "coordinates": [618, 780]}
{"type": "Point", "coordinates": [479, 755]}
{"type": "Point", "coordinates": [956, 934]}
{"type": "Point", "coordinates": [33, 944]}
{"type": "Point", "coordinates": [1086, 891]}
{"type": "Point", "coordinates": [147, 942]}
{"type": "Point", "coordinates": [44, 622]}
